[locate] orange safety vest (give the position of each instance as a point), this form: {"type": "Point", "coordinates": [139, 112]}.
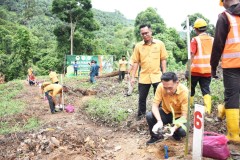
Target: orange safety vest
{"type": "Point", "coordinates": [201, 60]}
{"type": "Point", "coordinates": [231, 52]}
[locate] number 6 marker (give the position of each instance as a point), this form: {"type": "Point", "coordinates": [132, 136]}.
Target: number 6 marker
{"type": "Point", "coordinates": [198, 131]}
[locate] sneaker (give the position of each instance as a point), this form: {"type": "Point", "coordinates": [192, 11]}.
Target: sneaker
{"type": "Point", "coordinates": [153, 140]}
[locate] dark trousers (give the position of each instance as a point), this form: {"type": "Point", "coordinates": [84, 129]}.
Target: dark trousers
{"type": "Point", "coordinates": [166, 119]}
{"type": "Point", "coordinates": [92, 77]}
{"type": "Point", "coordinates": [143, 93]}
{"type": "Point", "coordinates": [121, 75]}
{"type": "Point", "coordinates": [31, 82]}
{"type": "Point", "coordinates": [204, 83]}
{"type": "Point", "coordinates": [231, 81]}
{"type": "Point", "coordinates": [50, 101]}
{"type": "Point", "coordinates": [75, 72]}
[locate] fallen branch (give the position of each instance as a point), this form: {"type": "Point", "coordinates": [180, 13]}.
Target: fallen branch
{"type": "Point", "coordinates": [112, 74]}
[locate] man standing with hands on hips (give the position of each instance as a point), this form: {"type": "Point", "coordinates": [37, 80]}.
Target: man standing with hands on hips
{"type": "Point", "coordinates": [149, 54]}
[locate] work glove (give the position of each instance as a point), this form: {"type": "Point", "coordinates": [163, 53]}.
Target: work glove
{"type": "Point", "coordinates": [157, 126]}
{"type": "Point", "coordinates": [170, 131]}
{"type": "Point", "coordinates": [187, 74]}
{"type": "Point", "coordinates": [214, 73]}
{"type": "Point", "coordinates": [61, 107]}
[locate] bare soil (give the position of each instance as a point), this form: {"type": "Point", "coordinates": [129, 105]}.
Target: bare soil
{"type": "Point", "coordinates": [77, 136]}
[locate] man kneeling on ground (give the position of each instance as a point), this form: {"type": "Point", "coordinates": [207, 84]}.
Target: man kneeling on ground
{"type": "Point", "coordinates": [51, 91]}
{"type": "Point", "coordinates": [170, 106]}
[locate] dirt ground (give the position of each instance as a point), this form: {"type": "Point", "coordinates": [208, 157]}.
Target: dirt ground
{"type": "Point", "coordinates": [76, 136]}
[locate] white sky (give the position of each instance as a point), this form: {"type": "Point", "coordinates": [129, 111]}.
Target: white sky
{"type": "Point", "coordinates": [173, 12]}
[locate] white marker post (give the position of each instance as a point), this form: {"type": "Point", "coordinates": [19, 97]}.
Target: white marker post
{"type": "Point", "coordinates": [198, 132]}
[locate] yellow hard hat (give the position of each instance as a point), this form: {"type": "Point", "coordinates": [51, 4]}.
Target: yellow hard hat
{"type": "Point", "coordinates": [220, 2]}
{"type": "Point", "coordinates": [200, 23]}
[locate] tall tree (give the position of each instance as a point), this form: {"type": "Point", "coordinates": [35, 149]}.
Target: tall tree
{"type": "Point", "coordinates": [77, 13]}
{"type": "Point", "coordinates": [193, 18]}
{"type": "Point", "coordinates": [149, 16]}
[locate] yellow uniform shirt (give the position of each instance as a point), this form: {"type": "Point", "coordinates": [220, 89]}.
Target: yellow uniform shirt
{"type": "Point", "coordinates": [122, 65]}
{"type": "Point", "coordinates": [149, 56]}
{"type": "Point", "coordinates": [53, 77]}
{"type": "Point", "coordinates": [44, 84]}
{"type": "Point", "coordinates": [53, 89]}
{"type": "Point", "coordinates": [178, 101]}
{"type": "Point", "coordinates": [131, 72]}
{"type": "Point", "coordinates": [30, 71]}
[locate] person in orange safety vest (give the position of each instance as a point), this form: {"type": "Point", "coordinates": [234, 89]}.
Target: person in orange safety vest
{"type": "Point", "coordinates": [226, 47]}
{"type": "Point", "coordinates": [201, 47]}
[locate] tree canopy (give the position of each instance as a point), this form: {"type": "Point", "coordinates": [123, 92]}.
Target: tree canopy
{"type": "Point", "coordinates": [37, 33]}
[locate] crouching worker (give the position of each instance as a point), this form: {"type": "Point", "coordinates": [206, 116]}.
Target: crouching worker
{"type": "Point", "coordinates": [170, 106]}
{"type": "Point", "coordinates": [51, 91]}
{"type": "Point", "coordinates": [32, 79]}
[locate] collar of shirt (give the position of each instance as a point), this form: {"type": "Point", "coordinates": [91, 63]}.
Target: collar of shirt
{"type": "Point", "coordinates": [153, 41]}
{"type": "Point", "coordinates": [201, 34]}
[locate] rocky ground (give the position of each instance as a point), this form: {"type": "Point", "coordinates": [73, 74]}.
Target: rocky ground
{"type": "Point", "coordinates": [77, 136]}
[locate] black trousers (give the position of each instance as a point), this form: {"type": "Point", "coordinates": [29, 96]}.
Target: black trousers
{"type": "Point", "coordinates": [75, 72]}
{"type": "Point", "coordinates": [143, 93]}
{"type": "Point", "coordinates": [50, 101]}
{"type": "Point", "coordinates": [231, 81]}
{"type": "Point", "coordinates": [166, 119]}
{"type": "Point", "coordinates": [204, 83]}
{"type": "Point", "coordinates": [121, 75]}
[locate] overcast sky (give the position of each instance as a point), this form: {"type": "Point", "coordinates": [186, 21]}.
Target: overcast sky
{"type": "Point", "coordinates": [173, 12]}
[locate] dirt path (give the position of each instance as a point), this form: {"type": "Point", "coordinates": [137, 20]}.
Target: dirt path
{"type": "Point", "coordinates": [65, 136]}
{"type": "Point", "coordinates": [81, 138]}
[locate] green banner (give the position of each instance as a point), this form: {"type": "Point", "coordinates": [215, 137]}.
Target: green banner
{"type": "Point", "coordinates": [104, 61]}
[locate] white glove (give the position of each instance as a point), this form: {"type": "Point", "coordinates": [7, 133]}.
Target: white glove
{"type": "Point", "coordinates": [57, 106]}
{"type": "Point", "coordinates": [171, 131]}
{"type": "Point", "coordinates": [157, 126]}
{"type": "Point", "coordinates": [60, 106]}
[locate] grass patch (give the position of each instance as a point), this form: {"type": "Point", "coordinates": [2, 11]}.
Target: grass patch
{"type": "Point", "coordinates": [31, 124]}
{"type": "Point", "coordinates": [107, 111]}
{"type": "Point", "coordinates": [9, 105]}
{"type": "Point", "coordinates": [7, 128]}
{"type": "Point", "coordinates": [13, 126]}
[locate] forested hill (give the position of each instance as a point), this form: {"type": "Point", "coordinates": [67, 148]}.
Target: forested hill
{"type": "Point", "coordinates": [112, 18]}
{"type": "Point", "coordinates": [28, 32]}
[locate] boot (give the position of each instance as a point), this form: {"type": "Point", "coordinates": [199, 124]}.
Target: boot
{"type": "Point", "coordinates": [232, 120]}
{"type": "Point", "coordinates": [207, 103]}
{"type": "Point", "coordinates": [221, 111]}
{"type": "Point", "coordinates": [192, 101]}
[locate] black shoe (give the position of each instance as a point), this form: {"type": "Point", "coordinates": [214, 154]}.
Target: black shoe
{"type": "Point", "coordinates": [127, 95]}
{"type": "Point", "coordinates": [153, 140]}
{"type": "Point", "coordinates": [56, 111]}
{"type": "Point", "coordinates": [53, 112]}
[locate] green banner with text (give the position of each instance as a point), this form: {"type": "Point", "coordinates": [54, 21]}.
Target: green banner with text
{"type": "Point", "coordinates": [104, 61]}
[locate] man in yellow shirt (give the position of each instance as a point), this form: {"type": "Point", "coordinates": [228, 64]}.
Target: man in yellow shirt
{"type": "Point", "coordinates": [51, 91]}
{"type": "Point", "coordinates": [150, 55]}
{"type": "Point", "coordinates": [122, 68]}
{"type": "Point", "coordinates": [170, 106]}
{"type": "Point", "coordinates": [53, 76]}
{"type": "Point", "coordinates": [30, 71]}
